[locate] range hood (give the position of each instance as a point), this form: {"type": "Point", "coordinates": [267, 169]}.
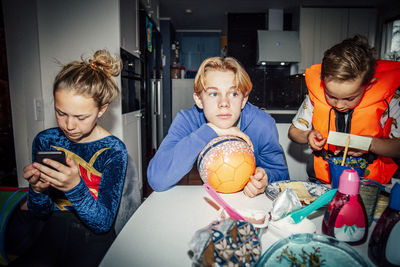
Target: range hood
{"type": "Point", "coordinates": [275, 46]}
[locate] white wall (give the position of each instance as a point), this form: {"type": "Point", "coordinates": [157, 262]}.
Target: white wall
{"type": "Point", "coordinates": [182, 95]}
{"type": "Point", "coordinates": [296, 155]}
{"type": "Point", "coordinates": [37, 34]}
{"type": "Point", "coordinates": [68, 29]}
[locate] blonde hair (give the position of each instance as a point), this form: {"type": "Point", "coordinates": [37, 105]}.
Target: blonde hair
{"type": "Point", "coordinates": [242, 79]}
{"type": "Point", "coordinates": [92, 77]}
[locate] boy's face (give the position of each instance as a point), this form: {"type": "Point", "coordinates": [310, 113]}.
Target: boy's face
{"type": "Point", "coordinates": [221, 100]}
{"type": "Point", "coordinates": [344, 95]}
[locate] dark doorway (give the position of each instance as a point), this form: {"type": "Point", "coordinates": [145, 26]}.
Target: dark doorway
{"type": "Point", "coordinates": [8, 172]}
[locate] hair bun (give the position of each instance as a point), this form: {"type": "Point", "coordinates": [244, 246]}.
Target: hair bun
{"type": "Point", "coordinates": [104, 61]}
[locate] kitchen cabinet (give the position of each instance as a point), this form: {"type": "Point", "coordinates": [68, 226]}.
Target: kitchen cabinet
{"type": "Point", "coordinates": [153, 10]}
{"type": "Point", "coordinates": [242, 36]}
{"type": "Point", "coordinates": [197, 46]}
{"type": "Point", "coordinates": [364, 21]}
{"type": "Point", "coordinates": [321, 28]}
{"type": "Point", "coordinates": [129, 23]}
{"type": "Point", "coordinates": [132, 136]}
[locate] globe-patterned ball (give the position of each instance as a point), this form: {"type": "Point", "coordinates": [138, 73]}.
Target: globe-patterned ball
{"type": "Point", "coordinates": [226, 163]}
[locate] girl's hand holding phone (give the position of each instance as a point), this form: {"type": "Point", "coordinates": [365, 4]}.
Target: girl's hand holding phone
{"type": "Point", "coordinates": [60, 176]}
{"type": "Point", "coordinates": [32, 175]}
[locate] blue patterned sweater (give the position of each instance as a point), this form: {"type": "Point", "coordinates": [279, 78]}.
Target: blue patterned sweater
{"type": "Point", "coordinates": [102, 165]}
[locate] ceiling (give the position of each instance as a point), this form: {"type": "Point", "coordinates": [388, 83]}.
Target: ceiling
{"type": "Point", "coordinates": [211, 14]}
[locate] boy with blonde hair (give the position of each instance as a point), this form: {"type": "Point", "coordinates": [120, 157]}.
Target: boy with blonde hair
{"type": "Point", "coordinates": [221, 91]}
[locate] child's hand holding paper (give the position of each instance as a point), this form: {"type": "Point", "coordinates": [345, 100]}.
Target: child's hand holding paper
{"type": "Point", "coordinates": [358, 145]}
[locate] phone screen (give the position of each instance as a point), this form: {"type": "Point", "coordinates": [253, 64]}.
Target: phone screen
{"type": "Point", "coordinates": [58, 156]}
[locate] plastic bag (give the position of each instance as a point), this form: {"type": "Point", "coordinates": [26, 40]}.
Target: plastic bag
{"type": "Point", "coordinates": [225, 242]}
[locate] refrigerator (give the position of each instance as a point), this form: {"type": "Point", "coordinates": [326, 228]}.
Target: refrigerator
{"type": "Point", "coordinates": [151, 54]}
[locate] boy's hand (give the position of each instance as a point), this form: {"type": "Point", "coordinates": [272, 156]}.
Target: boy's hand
{"type": "Point", "coordinates": [257, 184]}
{"type": "Point", "coordinates": [63, 178]}
{"type": "Point", "coordinates": [351, 152]}
{"type": "Point", "coordinates": [32, 175]}
{"type": "Point", "coordinates": [315, 140]}
{"type": "Point", "coordinates": [234, 131]}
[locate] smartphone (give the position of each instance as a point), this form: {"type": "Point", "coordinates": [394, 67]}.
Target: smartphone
{"type": "Point", "coordinates": [53, 155]}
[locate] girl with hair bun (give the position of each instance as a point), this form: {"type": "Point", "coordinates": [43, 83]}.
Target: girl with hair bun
{"type": "Point", "coordinates": [72, 207]}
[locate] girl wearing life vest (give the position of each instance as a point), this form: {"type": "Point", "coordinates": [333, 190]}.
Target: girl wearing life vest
{"type": "Point", "coordinates": [351, 92]}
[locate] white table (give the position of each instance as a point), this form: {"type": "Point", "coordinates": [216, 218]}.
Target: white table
{"type": "Point", "coordinates": [159, 232]}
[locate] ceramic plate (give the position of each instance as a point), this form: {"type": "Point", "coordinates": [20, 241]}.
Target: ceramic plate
{"type": "Point", "coordinates": [334, 252]}
{"type": "Point", "coordinates": [314, 189]}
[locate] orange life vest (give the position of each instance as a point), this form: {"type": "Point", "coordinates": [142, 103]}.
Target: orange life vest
{"type": "Point", "coordinates": [365, 119]}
